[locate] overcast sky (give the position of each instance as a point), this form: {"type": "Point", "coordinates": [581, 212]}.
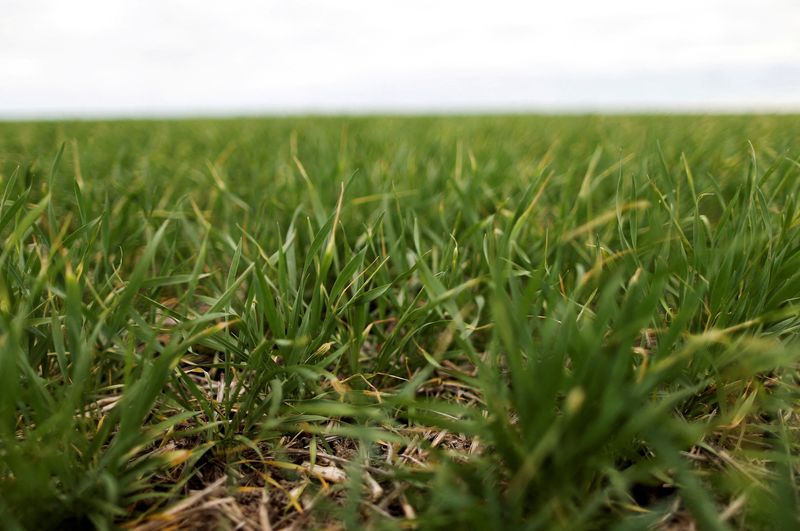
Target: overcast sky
{"type": "Point", "coordinates": [166, 57]}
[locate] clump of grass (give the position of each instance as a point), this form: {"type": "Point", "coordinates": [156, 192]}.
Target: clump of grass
{"type": "Point", "coordinates": [538, 322]}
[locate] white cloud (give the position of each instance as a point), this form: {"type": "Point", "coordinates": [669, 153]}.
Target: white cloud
{"type": "Point", "coordinates": [128, 56]}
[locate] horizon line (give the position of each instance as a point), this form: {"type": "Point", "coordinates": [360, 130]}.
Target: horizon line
{"type": "Point", "coordinates": [391, 111]}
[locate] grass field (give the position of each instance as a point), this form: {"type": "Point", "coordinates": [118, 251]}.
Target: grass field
{"type": "Point", "coordinates": [486, 322]}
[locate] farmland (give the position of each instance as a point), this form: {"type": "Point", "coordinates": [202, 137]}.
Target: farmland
{"type": "Point", "coordinates": [539, 322]}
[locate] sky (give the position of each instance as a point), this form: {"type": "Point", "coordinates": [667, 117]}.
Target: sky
{"type": "Point", "coordinates": [179, 57]}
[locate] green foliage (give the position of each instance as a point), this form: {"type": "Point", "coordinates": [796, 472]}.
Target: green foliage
{"type": "Point", "coordinates": [606, 308]}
